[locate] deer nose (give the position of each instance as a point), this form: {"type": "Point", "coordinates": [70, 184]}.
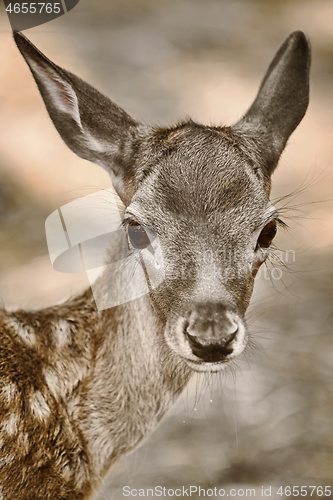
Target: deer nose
{"type": "Point", "coordinates": [211, 331]}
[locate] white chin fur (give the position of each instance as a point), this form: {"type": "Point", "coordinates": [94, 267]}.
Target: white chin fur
{"type": "Point", "coordinates": [208, 367]}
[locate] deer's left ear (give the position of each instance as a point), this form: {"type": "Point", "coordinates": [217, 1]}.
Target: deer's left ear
{"type": "Point", "coordinates": [90, 124]}
{"type": "Point", "coordinates": [282, 99]}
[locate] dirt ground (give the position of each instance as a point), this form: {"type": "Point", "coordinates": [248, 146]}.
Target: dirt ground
{"type": "Point", "coordinates": [268, 423]}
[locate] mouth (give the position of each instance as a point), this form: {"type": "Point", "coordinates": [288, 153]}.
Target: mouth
{"type": "Point", "coordinates": [208, 367]}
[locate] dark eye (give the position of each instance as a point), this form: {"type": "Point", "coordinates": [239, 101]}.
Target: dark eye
{"type": "Point", "coordinates": [267, 235]}
{"type": "Point", "coordinates": [137, 235]}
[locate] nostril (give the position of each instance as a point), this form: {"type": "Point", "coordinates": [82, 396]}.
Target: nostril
{"type": "Point", "coordinates": [232, 336]}
{"type": "Point", "coordinates": [211, 351]}
{"type": "Point", "coordinates": [206, 341]}
{"type": "Point", "coordinates": [232, 329]}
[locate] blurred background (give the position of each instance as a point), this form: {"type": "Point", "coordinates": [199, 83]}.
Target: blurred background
{"type": "Point", "coordinates": [269, 421]}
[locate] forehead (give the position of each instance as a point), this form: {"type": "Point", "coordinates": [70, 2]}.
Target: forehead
{"type": "Point", "coordinates": [201, 172]}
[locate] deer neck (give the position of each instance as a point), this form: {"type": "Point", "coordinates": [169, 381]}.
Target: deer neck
{"type": "Point", "coordinates": [132, 380]}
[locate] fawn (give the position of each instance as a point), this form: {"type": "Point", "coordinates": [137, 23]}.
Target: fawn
{"type": "Point", "coordinates": [79, 386]}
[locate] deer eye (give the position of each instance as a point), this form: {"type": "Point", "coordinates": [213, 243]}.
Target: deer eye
{"type": "Point", "coordinates": [267, 235]}
{"type": "Point", "coordinates": [137, 235]}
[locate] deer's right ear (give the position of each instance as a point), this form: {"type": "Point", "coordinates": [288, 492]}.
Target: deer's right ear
{"type": "Point", "coordinates": [89, 123]}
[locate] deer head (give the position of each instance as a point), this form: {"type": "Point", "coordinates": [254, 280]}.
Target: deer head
{"type": "Point", "coordinates": [203, 190]}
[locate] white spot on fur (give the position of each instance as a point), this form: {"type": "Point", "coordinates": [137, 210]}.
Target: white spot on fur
{"type": "Point", "coordinates": [10, 425]}
{"type": "Point", "coordinates": [8, 391]}
{"type": "Point", "coordinates": [25, 332]}
{"type": "Point", "coordinates": [39, 406]}
{"type": "Point", "coordinates": [66, 473]}
{"type": "Point", "coordinates": [53, 382]}
{"type": "Point", "coordinates": [6, 461]}
{"type": "Point", "coordinates": [62, 333]}
{"type": "Point", "coordinates": [1, 494]}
